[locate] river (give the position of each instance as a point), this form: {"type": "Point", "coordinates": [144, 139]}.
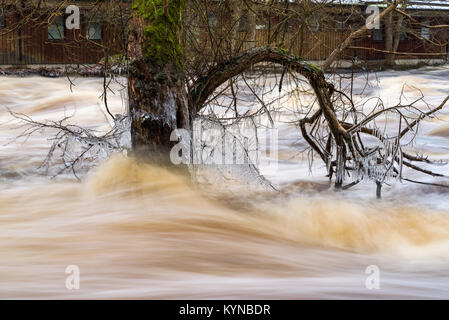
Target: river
{"type": "Point", "coordinates": [138, 231]}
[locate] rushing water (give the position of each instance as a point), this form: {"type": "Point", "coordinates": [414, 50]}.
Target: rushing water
{"type": "Point", "coordinates": [137, 231]}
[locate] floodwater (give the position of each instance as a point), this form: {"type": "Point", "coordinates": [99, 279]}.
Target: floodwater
{"type": "Point", "coordinates": [138, 231]}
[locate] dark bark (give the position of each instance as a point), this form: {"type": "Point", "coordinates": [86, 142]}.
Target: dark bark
{"type": "Point", "coordinates": [252, 21]}
{"type": "Point", "coordinates": [157, 97]}
{"type": "Point", "coordinates": [393, 28]}
{"type": "Point", "coordinates": [378, 189]}
{"type": "Point", "coordinates": [389, 57]}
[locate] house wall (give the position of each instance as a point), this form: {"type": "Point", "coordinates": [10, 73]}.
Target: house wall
{"type": "Point", "coordinates": [28, 43]}
{"type": "Point", "coordinates": [9, 43]}
{"type": "Point", "coordinates": [318, 44]}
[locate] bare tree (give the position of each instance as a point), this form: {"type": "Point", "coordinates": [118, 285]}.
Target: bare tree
{"type": "Point", "coordinates": [183, 55]}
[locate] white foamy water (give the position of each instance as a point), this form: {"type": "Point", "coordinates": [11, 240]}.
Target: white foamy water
{"type": "Point", "coordinates": [138, 231]}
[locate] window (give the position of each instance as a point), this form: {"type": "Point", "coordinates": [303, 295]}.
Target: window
{"type": "Point", "coordinates": [403, 37]}
{"type": "Point", "coordinates": [378, 35]}
{"type": "Point", "coordinates": [94, 31]}
{"type": "Point", "coordinates": [2, 19]}
{"type": "Point", "coordinates": [56, 29]}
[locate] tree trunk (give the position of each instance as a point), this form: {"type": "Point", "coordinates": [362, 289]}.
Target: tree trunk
{"type": "Point", "coordinates": [397, 31]}
{"type": "Point", "coordinates": [235, 7]}
{"type": "Point", "coordinates": [393, 35]}
{"type": "Point", "coordinates": [157, 96]}
{"type": "Point", "coordinates": [252, 20]}
{"type": "Point", "coordinates": [389, 30]}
